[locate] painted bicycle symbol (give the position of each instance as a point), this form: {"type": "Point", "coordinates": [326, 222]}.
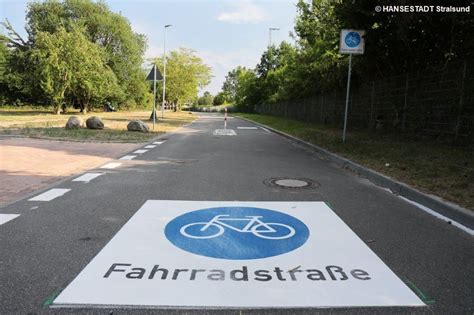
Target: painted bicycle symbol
{"type": "Point", "coordinates": [217, 225]}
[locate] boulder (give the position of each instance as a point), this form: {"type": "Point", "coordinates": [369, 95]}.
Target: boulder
{"type": "Point", "coordinates": [74, 122]}
{"type": "Point", "coordinates": [94, 122]}
{"type": "Point", "coordinates": [137, 125]}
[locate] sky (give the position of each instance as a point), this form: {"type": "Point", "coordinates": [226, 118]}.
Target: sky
{"type": "Point", "coordinates": [224, 33]}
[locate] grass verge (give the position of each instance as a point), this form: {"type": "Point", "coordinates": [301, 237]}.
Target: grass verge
{"type": "Point", "coordinates": [442, 169]}
{"type": "Point", "coordinates": [43, 124]}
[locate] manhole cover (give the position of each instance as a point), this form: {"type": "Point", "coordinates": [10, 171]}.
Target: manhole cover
{"type": "Point", "coordinates": [291, 183]}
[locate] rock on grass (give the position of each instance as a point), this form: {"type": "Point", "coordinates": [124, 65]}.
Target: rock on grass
{"type": "Point", "coordinates": [94, 122]}
{"type": "Point", "coordinates": [137, 125]}
{"type": "Point", "coordinates": [74, 122]}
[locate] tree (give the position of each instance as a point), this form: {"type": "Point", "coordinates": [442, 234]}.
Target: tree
{"type": "Point", "coordinates": [206, 99]}
{"type": "Point", "coordinates": [3, 61]}
{"type": "Point", "coordinates": [408, 41]}
{"type": "Point", "coordinates": [219, 99]}
{"type": "Point", "coordinates": [70, 64]}
{"type": "Point", "coordinates": [229, 87]}
{"type": "Point", "coordinates": [247, 91]}
{"type": "Point", "coordinates": [123, 49]}
{"type": "Point", "coordinates": [185, 75]}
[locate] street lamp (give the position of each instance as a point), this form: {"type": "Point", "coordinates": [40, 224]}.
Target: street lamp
{"type": "Point", "coordinates": [270, 34]}
{"type": "Point", "coordinates": [164, 75]}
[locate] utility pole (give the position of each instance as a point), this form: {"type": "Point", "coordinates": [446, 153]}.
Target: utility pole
{"type": "Point", "coordinates": [164, 75]}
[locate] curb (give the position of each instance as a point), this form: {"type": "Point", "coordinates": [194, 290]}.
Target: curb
{"type": "Point", "coordinates": [445, 208]}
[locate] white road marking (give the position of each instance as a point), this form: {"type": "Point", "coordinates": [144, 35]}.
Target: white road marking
{"type": "Point", "coordinates": [159, 142]}
{"type": "Point", "coordinates": [140, 151]}
{"type": "Point", "coordinates": [87, 177]}
{"type": "Point", "coordinates": [168, 268]}
{"type": "Point", "coordinates": [215, 117]}
{"type": "Point", "coordinates": [224, 132]}
{"type": "Point", "coordinates": [33, 208]}
{"type": "Point", "coordinates": [439, 216]}
{"type": "Point", "coordinates": [4, 218]}
{"type": "Point", "coordinates": [265, 129]}
{"type": "Point", "coordinates": [111, 165]}
{"type": "Point", "coordinates": [151, 146]}
{"type": "Point", "coordinates": [247, 128]}
{"type": "Point", "coordinates": [128, 157]}
{"type": "Point", "coordinates": [50, 194]}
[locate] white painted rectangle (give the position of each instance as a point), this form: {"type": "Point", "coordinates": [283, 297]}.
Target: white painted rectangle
{"type": "Point", "coordinates": [140, 151]}
{"type": "Point", "coordinates": [150, 146]}
{"type": "Point", "coordinates": [128, 157]}
{"type": "Point", "coordinates": [247, 128]}
{"type": "Point", "coordinates": [50, 194]}
{"type": "Point", "coordinates": [121, 274]}
{"type": "Point", "coordinates": [111, 165]}
{"type": "Point", "coordinates": [224, 132]}
{"type": "Point", "coordinates": [159, 142]}
{"type": "Point", "coordinates": [87, 177]}
{"type": "Point", "coordinates": [5, 217]}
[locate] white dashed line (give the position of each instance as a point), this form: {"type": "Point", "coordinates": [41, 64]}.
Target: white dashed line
{"type": "Point", "coordinates": [265, 129]}
{"type": "Point", "coordinates": [140, 151]}
{"type": "Point", "coordinates": [151, 146]}
{"type": "Point", "coordinates": [111, 165]}
{"type": "Point", "coordinates": [248, 128]}
{"type": "Point", "coordinates": [159, 142]}
{"type": "Point", "coordinates": [128, 157]}
{"type": "Point", "coordinates": [87, 177]}
{"type": "Point", "coordinates": [4, 218]}
{"type": "Point", "coordinates": [50, 194]}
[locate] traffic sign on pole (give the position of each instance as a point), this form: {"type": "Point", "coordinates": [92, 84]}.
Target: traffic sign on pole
{"type": "Point", "coordinates": [351, 43]}
{"type": "Point", "coordinates": [154, 76]}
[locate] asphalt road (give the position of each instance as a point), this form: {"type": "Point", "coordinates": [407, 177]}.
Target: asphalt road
{"type": "Point", "coordinates": [46, 247]}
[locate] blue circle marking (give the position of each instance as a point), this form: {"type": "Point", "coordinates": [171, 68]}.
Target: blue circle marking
{"type": "Point", "coordinates": [352, 39]}
{"type": "Point", "coordinates": [236, 232]}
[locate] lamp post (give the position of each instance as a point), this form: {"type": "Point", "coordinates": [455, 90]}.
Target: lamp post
{"type": "Point", "coordinates": [270, 34]}
{"type": "Point", "coordinates": [164, 75]}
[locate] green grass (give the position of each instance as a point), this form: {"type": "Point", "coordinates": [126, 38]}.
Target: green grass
{"type": "Point", "coordinates": [435, 167]}
{"type": "Point", "coordinates": [44, 124]}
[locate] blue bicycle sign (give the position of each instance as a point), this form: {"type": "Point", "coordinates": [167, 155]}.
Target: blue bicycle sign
{"type": "Point", "coordinates": [352, 39]}
{"type": "Point", "coordinates": [236, 232]}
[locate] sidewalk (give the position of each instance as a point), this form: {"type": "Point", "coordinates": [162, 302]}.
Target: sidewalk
{"type": "Point", "coordinates": [28, 164]}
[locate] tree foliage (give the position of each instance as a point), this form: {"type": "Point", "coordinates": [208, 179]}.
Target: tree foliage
{"type": "Point", "coordinates": [219, 99]}
{"type": "Point", "coordinates": [186, 73]}
{"type": "Point", "coordinates": [116, 74]}
{"type": "Point", "coordinates": [395, 43]}
{"type": "Point", "coordinates": [206, 99]}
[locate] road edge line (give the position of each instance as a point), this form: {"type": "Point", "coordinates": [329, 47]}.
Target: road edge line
{"type": "Point", "coordinates": [448, 209]}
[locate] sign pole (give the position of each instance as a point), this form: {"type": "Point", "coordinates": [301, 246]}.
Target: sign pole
{"type": "Point", "coordinates": [351, 42]}
{"type": "Point", "coordinates": [347, 98]}
{"type": "Point", "coordinates": [154, 96]}
{"type": "Point", "coordinates": [225, 118]}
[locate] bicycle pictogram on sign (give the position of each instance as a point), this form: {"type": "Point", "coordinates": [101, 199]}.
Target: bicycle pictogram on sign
{"type": "Point", "coordinates": [236, 232]}
{"type": "Point", "coordinates": [255, 225]}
